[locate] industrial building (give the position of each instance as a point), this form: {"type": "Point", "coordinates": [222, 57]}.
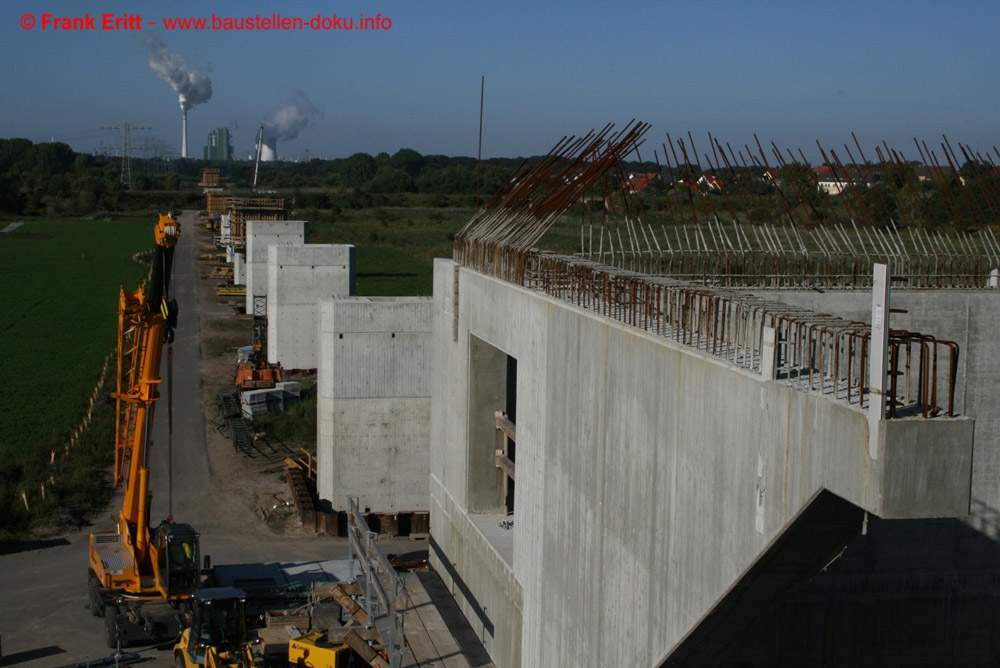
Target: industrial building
{"type": "Point", "coordinates": [268, 149]}
{"type": "Point", "coordinates": [218, 146]}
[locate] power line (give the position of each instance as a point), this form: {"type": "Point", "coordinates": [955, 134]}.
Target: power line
{"type": "Point", "coordinates": [126, 147]}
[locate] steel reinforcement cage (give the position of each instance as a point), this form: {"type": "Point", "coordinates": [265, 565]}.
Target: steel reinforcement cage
{"type": "Point", "coordinates": [813, 352]}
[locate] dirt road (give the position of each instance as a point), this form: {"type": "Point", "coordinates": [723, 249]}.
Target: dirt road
{"type": "Point", "coordinates": [45, 620]}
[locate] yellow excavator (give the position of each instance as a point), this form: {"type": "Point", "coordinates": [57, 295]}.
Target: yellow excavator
{"type": "Point", "coordinates": [141, 577]}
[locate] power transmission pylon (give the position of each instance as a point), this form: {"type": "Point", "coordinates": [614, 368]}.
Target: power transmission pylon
{"type": "Point", "coordinates": [127, 126]}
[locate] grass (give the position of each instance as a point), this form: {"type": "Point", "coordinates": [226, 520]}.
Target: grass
{"type": "Point", "coordinates": [59, 302]}
{"type": "Point", "coordinates": [60, 315]}
{"type": "Point", "coordinates": [386, 271]}
{"type": "Point", "coordinates": [396, 245]}
{"type": "Point", "coordinates": [296, 426]}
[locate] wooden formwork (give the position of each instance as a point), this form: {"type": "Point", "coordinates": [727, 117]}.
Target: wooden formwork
{"type": "Point", "coordinates": [301, 477]}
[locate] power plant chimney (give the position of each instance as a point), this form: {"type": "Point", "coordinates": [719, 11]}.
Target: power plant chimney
{"type": "Point", "coordinates": [184, 134]}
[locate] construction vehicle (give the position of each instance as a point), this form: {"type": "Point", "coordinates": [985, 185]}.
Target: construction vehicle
{"type": "Point", "coordinates": [216, 634]}
{"type": "Point", "coordinates": [252, 370]}
{"type": "Point", "coordinates": [316, 651]}
{"type": "Point", "coordinates": [141, 577]}
{"type": "Point", "coordinates": [217, 637]}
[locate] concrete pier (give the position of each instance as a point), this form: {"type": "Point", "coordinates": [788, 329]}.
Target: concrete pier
{"type": "Point", "coordinates": [298, 276]}
{"type": "Point", "coordinates": [664, 497]}
{"type": "Point", "coordinates": [374, 402]}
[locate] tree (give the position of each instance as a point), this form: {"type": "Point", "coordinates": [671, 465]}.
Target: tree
{"type": "Point", "coordinates": [357, 170]}
{"type": "Point", "coordinates": [13, 152]}
{"type": "Point", "coordinates": [83, 163]}
{"type": "Point", "coordinates": [54, 158]}
{"type": "Point", "coordinates": [390, 180]}
{"type": "Point", "coordinates": [409, 161]}
{"type": "Point", "coordinates": [453, 179]}
{"type": "Point", "coordinates": [799, 185]}
{"type": "Point", "coordinates": [11, 199]}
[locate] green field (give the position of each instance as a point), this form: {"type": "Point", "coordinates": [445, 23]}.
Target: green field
{"type": "Point", "coordinates": [59, 300]}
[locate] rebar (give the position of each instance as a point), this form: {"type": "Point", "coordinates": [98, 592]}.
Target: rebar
{"type": "Point", "coordinates": [680, 289]}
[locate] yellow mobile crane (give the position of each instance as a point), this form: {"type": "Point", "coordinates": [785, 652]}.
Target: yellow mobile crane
{"type": "Point", "coordinates": [141, 577]}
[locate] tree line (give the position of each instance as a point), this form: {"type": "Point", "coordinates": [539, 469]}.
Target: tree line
{"type": "Point", "coordinates": [50, 179]}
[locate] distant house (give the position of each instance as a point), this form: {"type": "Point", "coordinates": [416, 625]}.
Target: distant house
{"type": "Point", "coordinates": [638, 182]}
{"type": "Point", "coordinates": [834, 182]}
{"type": "Point", "coordinates": [710, 182]}
{"type": "Point", "coordinates": [928, 173]}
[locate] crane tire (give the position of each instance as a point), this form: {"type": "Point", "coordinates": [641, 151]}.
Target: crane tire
{"type": "Point", "coordinates": [111, 633]}
{"type": "Point", "coordinates": [94, 589]}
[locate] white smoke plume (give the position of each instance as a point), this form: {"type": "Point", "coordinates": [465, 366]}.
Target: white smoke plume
{"type": "Point", "coordinates": [193, 88]}
{"type": "Point", "coordinates": [287, 122]}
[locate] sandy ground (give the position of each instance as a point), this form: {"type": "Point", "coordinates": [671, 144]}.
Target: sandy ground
{"type": "Point", "coordinates": [256, 482]}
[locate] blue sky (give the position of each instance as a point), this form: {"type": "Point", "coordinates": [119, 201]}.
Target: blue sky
{"type": "Point", "coordinates": [791, 72]}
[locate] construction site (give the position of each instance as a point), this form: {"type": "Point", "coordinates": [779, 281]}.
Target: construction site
{"type": "Point", "coordinates": [545, 407]}
{"type": "Point", "coordinates": [756, 436]}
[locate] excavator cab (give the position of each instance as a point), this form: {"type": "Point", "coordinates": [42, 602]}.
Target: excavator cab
{"type": "Point", "coordinates": [217, 635]}
{"type": "Point", "coordinates": [177, 556]}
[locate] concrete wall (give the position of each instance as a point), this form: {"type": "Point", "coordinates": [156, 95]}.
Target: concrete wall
{"type": "Point", "coordinates": [298, 275]}
{"type": "Point", "coordinates": [649, 476]}
{"type": "Point", "coordinates": [239, 269]}
{"type": "Point", "coordinates": [261, 234]}
{"type": "Point", "coordinates": [969, 317]}
{"type": "Point", "coordinates": [374, 402]}
{"type": "Point", "coordinates": [899, 576]}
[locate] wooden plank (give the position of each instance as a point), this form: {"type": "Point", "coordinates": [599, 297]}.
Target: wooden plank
{"type": "Point", "coordinates": [326, 589]}
{"type": "Point", "coordinates": [338, 634]}
{"type": "Point", "coordinates": [427, 635]}
{"type": "Point", "coordinates": [505, 425]}
{"type": "Point", "coordinates": [341, 593]}
{"type": "Point", "coordinates": [504, 462]}
{"type": "Point", "coordinates": [360, 645]}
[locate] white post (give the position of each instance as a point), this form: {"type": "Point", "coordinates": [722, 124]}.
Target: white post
{"type": "Point", "coordinates": [767, 356]}
{"type": "Point", "coordinates": [877, 356]}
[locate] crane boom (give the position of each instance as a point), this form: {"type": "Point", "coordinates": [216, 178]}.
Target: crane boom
{"type": "Point", "coordinates": [145, 323]}
{"type": "Point", "coordinates": [256, 166]}
{"type": "Point", "coordinates": [135, 561]}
